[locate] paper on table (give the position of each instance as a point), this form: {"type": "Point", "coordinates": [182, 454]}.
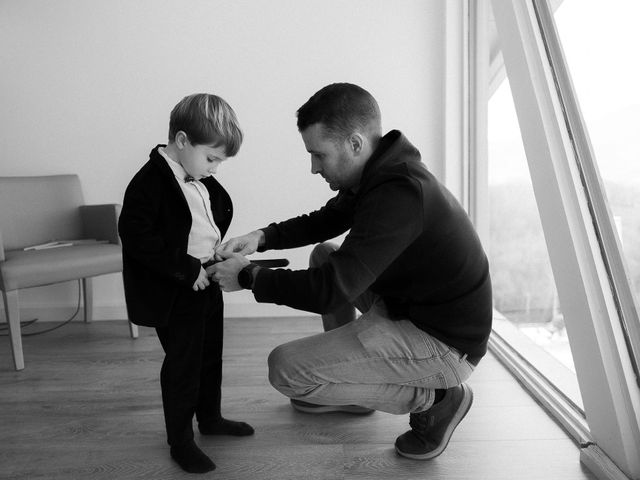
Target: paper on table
{"type": "Point", "coordinates": [65, 243]}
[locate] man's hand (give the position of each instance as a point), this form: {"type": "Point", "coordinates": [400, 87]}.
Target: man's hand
{"type": "Point", "coordinates": [202, 281]}
{"type": "Point", "coordinates": [244, 245]}
{"type": "Point", "coordinates": [225, 272]}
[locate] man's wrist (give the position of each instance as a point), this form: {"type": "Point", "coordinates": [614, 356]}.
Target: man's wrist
{"type": "Point", "coordinates": [247, 276]}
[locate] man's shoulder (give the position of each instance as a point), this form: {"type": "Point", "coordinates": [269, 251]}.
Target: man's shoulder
{"type": "Point", "coordinates": [409, 174]}
{"type": "Point", "coordinates": [396, 160]}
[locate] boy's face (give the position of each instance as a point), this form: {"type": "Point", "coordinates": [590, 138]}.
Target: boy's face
{"type": "Point", "coordinates": [199, 161]}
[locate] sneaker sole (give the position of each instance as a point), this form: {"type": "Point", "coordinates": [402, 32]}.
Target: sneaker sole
{"type": "Point", "coordinates": [464, 408]}
{"type": "Point", "coordinates": [332, 409]}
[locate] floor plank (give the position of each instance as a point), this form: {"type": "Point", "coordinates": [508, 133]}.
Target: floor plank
{"type": "Point", "coordinates": [88, 406]}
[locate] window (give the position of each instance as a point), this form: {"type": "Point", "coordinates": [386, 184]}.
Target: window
{"type": "Point", "coordinates": [597, 303]}
{"type": "Point", "coordinates": [606, 76]}
{"type": "Point", "coordinates": [523, 285]}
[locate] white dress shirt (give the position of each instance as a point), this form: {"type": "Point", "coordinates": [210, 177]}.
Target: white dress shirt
{"type": "Point", "coordinates": [204, 236]}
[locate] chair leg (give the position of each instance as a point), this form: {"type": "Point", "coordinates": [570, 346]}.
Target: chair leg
{"type": "Point", "coordinates": [87, 296]}
{"type": "Point", "coordinates": [133, 329]}
{"type": "Point", "coordinates": [12, 312]}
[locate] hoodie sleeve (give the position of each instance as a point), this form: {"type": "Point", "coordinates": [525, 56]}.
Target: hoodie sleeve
{"type": "Point", "coordinates": [383, 227]}
{"type": "Point", "coordinates": [328, 222]}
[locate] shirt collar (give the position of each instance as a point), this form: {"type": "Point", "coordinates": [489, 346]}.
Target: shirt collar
{"type": "Point", "coordinates": [177, 169]}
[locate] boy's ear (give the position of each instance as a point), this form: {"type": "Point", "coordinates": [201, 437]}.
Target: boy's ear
{"type": "Point", "coordinates": [181, 139]}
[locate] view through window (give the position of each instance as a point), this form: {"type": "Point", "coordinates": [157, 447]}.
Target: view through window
{"type": "Point", "coordinates": [606, 72]}
{"type": "Point", "coordinates": [523, 284]}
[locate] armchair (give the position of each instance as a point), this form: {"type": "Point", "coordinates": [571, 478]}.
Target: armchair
{"type": "Point", "coordinates": [37, 210]}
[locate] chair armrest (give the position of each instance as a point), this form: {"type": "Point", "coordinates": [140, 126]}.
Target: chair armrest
{"type": "Point", "coordinates": [101, 221]}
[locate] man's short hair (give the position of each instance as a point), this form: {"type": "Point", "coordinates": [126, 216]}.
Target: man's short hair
{"type": "Point", "coordinates": [207, 120]}
{"type": "Point", "coordinates": [342, 108]}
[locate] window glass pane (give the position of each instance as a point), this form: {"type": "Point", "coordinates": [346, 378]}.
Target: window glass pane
{"type": "Point", "coordinates": [600, 41]}
{"type": "Point", "coordinates": [523, 284]}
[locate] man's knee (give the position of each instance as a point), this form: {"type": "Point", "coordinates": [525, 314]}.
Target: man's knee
{"type": "Point", "coordinates": [279, 375]}
{"type": "Point", "coordinates": [320, 253]}
{"type": "Point", "coordinates": [274, 361]}
{"type": "Point", "coordinates": [286, 374]}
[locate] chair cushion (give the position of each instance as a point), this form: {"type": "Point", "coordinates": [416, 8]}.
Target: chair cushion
{"type": "Point", "coordinates": [33, 268]}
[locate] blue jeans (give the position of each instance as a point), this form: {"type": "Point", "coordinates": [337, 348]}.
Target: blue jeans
{"type": "Point", "coordinates": [371, 361]}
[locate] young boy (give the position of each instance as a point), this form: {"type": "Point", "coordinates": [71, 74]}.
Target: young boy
{"type": "Point", "coordinates": [174, 215]}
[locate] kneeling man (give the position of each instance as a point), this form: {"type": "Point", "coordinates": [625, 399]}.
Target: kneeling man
{"type": "Point", "coordinates": [412, 263]}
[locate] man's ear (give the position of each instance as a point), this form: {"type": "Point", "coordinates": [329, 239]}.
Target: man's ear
{"type": "Point", "coordinates": [356, 142]}
{"type": "Point", "coordinates": [181, 139]}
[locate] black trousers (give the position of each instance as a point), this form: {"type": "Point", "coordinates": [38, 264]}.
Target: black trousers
{"type": "Point", "coordinates": [191, 374]}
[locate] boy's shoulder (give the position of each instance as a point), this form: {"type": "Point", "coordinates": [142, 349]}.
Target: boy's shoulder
{"type": "Point", "coordinates": [148, 169]}
{"type": "Point", "coordinates": [152, 173]}
{"type": "Point", "coordinates": [155, 165]}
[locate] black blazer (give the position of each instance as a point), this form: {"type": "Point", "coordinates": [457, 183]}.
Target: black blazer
{"type": "Point", "coordinates": [154, 226]}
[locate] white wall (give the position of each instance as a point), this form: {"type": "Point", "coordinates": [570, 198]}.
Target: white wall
{"type": "Point", "coordinates": [87, 86]}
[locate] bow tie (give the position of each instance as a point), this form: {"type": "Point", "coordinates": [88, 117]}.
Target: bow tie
{"type": "Point", "coordinates": [189, 179]}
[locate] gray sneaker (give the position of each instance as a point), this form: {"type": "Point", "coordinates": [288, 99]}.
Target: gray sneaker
{"type": "Point", "coordinates": [431, 430]}
{"type": "Point", "coordinates": [307, 407]}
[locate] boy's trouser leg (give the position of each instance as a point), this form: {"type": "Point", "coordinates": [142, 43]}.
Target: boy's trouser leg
{"type": "Point", "coordinates": [374, 362]}
{"type": "Point", "coordinates": [209, 398]}
{"type": "Point", "coordinates": [193, 333]}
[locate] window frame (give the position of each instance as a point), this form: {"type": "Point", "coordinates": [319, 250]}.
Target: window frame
{"type": "Point", "coordinates": [548, 380]}
{"type": "Point", "coordinates": [586, 274]}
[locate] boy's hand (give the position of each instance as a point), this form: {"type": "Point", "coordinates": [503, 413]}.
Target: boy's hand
{"type": "Point", "coordinates": [225, 272]}
{"type": "Point", "coordinates": [202, 281]}
{"type": "Point", "coordinates": [244, 245]}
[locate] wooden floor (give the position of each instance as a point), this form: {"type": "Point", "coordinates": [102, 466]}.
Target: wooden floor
{"type": "Point", "coordinates": [88, 406]}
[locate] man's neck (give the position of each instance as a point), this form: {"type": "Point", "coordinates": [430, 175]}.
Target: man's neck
{"type": "Point", "coordinates": [374, 141]}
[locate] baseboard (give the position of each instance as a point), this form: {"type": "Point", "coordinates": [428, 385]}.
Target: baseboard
{"type": "Point", "coordinates": [600, 464]}
{"type": "Point", "coordinates": [254, 309]}
{"type": "Point", "coordinates": [56, 313]}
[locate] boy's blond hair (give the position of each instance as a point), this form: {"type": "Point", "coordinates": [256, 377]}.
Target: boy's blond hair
{"type": "Point", "coordinates": [207, 120]}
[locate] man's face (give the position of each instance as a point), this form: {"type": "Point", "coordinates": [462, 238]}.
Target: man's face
{"type": "Point", "coordinates": [200, 161]}
{"type": "Point", "coordinates": [330, 158]}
